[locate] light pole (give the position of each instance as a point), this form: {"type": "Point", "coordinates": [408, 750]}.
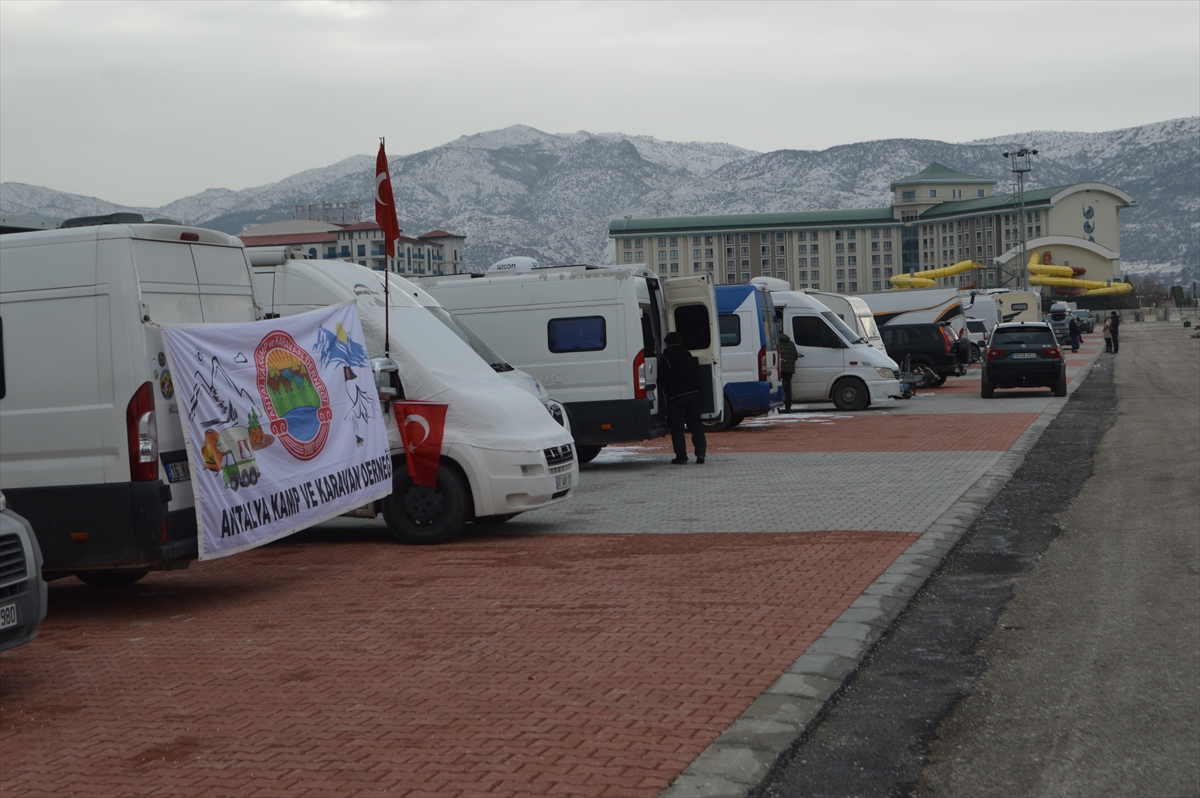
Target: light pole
{"type": "Point", "coordinates": [1020, 165]}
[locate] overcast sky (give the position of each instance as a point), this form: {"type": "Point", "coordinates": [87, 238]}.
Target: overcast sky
{"type": "Point", "coordinates": [145, 103]}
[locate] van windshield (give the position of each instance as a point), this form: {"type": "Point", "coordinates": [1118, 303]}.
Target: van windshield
{"type": "Point", "coordinates": [471, 339]}
{"type": "Point", "coordinates": [868, 323]}
{"type": "Point", "coordinates": [850, 335]}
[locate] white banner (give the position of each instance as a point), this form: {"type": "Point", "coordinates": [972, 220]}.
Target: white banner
{"type": "Point", "coordinates": [282, 423]}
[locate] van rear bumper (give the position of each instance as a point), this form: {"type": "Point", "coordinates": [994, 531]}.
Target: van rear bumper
{"type": "Point", "coordinates": [614, 421]}
{"type": "Point", "coordinates": [752, 398]}
{"type": "Point", "coordinates": [119, 525]}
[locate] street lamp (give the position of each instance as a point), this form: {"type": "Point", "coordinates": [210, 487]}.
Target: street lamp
{"type": "Point", "coordinates": [1021, 165]}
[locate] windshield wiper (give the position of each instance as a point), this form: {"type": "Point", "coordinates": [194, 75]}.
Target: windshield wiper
{"type": "Point", "coordinates": [501, 366]}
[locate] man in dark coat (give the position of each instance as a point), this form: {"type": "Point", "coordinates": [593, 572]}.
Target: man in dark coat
{"type": "Point", "coordinates": [787, 368]}
{"type": "Point", "coordinates": [679, 381]}
{"type": "Point", "coordinates": [1074, 331]}
{"type": "Point", "coordinates": [1112, 328]}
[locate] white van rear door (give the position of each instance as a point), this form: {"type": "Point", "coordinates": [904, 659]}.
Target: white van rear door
{"type": "Point", "coordinates": [691, 307]}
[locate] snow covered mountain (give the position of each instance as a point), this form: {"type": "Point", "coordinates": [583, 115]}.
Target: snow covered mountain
{"type": "Point", "coordinates": [520, 191]}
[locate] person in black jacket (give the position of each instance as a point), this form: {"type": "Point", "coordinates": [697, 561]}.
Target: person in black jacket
{"type": "Point", "coordinates": [680, 384]}
{"type": "Point", "coordinates": [1116, 336]}
{"type": "Point", "coordinates": [1074, 331]}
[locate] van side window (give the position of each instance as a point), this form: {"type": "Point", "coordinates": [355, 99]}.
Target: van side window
{"type": "Point", "coordinates": [1019, 306]}
{"type": "Point", "coordinates": [731, 330]}
{"type": "Point", "coordinates": [812, 331]}
{"type": "Point", "coordinates": [691, 321]}
{"type": "Point", "coordinates": [578, 334]}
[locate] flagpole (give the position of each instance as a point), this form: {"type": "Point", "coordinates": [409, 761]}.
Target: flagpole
{"type": "Point", "coordinates": [387, 275]}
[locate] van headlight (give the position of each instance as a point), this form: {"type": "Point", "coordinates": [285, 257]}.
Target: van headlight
{"type": "Point", "coordinates": [887, 374]}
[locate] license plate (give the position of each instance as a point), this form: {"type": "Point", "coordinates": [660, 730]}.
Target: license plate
{"type": "Point", "coordinates": [1024, 355]}
{"type": "Point", "coordinates": [8, 616]}
{"type": "Point", "coordinates": [178, 472]}
{"type": "Point", "coordinates": [562, 481]}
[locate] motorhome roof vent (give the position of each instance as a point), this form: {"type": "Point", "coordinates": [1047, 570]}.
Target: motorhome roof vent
{"type": "Point", "coordinates": [108, 218]}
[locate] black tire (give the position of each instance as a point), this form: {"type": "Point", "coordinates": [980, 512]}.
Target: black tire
{"type": "Point", "coordinates": [938, 381]}
{"type": "Point", "coordinates": [975, 353]}
{"type": "Point", "coordinates": [850, 394]}
{"type": "Point", "coordinates": [233, 484]}
{"type": "Point", "coordinates": [586, 452]}
{"type": "Point", "coordinates": [1061, 388]}
{"type": "Point", "coordinates": [112, 578]}
{"type": "Point", "coordinates": [925, 375]}
{"type": "Point", "coordinates": [986, 389]}
{"type": "Point", "coordinates": [494, 519]}
{"type": "Point", "coordinates": [253, 476]}
{"type": "Point", "coordinates": [725, 422]}
{"type": "Point", "coordinates": [420, 515]}
{"type": "Point", "coordinates": [733, 422]}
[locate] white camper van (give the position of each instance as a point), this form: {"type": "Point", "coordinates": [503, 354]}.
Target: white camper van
{"type": "Point", "coordinates": [91, 445]}
{"type": "Point", "coordinates": [916, 306]}
{"type": "Point", "coordinates": [850, 309]}
{"type": "Point", "coordinates": [592, 337]}
{"type": "Point", "coordinates": [836, 364]}
{"type": "Point", "coordinates": [503, 454]}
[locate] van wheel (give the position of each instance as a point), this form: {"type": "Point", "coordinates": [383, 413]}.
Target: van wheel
{"type": "Point", "coordinates": [725, 422]}
{"type": "Point", "coordinates": [111, 578]}
{"type": "Point", "coordinates": [586, 452]}
{"type": "Point", "coordinates": [850, 394]}
{"type": "Point", "coordinates": [421, 515]}
{"type": "Point", "coordinates": [733, 422]}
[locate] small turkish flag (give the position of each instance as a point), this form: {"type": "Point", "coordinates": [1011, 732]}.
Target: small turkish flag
{"type": "Point", "coordinates": [422, 425]}
{"type": "Point", "coordinates": [385, 202]}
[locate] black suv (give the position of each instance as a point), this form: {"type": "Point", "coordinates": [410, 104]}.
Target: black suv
{"type": "Point", "coordinates": [1022, 356]}
{"type": "Point", "coordinates": [933, 349]}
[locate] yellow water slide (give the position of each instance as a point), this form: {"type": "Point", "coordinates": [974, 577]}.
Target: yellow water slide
{"type": "Point", "coordinates": [1061, 277]}
{"type": "Point", "coordinates": [929, 278]}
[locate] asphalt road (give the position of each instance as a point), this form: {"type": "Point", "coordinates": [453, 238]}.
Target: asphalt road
{"type": "Point", "coordinates": [1058, 650]}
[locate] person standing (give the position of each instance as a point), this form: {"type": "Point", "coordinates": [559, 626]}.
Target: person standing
{"type": "Point", "coordinates": [1074, 331]}
{"type": "Point", "coordinates": [680, 382]}
{"type": "Point", "coordinates": [1115, 330]}
{"type": "Point", "coordinates": [787, 368]}
{"type": "Point", "coordinates": [1108, 335]}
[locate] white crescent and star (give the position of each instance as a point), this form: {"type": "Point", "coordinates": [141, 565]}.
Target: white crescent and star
{"type": "Point", "coordinates": [413, 418]}
{"type": "Point", "coordinates": [379, 178]}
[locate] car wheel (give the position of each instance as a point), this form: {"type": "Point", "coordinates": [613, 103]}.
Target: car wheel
{"type": "Point", "coordinates": [975, 354]}
{"type": "Point", "coordinates": [417, 514]}
{"type": "Point", "coordinates": [924, 373]}
{"type": "Point", "coordinates": [850, 394]}
{"type": "Point", "coordinates": [1060, 389]}
{"type": "Point", "coordinates": [725, 422]}
{"type": "Point", "coordinates": [938, 381]}
{"type": "Point", "coordinates": [111, 578]}
{"type": "Point", "coordinates": [986, 389]}
{"type": "Point", "coordinates": [586, 453]}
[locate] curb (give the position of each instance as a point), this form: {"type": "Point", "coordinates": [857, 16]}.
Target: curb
{"type": "Point", "coordinates": [744, 753]}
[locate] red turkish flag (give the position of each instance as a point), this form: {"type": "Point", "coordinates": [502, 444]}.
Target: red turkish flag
{"type": "Point", "coordinates": [385, 202]}
{"type": "Point", "coordinates": [421, 427]}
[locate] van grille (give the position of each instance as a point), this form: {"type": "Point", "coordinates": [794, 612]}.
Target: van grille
{"type": "Point", "coordinates": [559, 455]}
{"type": "Point", "coordinates": [12, 560]}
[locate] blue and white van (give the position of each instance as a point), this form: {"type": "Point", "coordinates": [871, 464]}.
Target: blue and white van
{"type": "Point", "coordinates": [749, 353]}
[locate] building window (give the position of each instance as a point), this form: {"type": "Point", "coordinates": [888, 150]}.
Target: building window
{"type": "Point", "coordinates": [696, 266]}
{"type": "Point", "coordinates": [874, 246]}
{"type": "Point", "coordinates": [662, 254]}
{"type": "Point", "coordinates": [875, 285]}
{"type": "Point", "coordinates": [779, 250]}
{"type": "Point", "coordinates": [989, 250]}
{"type": "Point", "coordinates": [853, 274]}
{"type": "Point", "coordinates": [708, 241]}
{"type": "Point", "coordinates": [781, 275]}
{"type": "Point", "coordinates": [764, 250]}
{"type": "Point", "coordinates": [708, 253]}
{"type": "Point", "coordinates": [729, 264]}
{"type": "Point", "coordinates": [853, 286]}
{"type": "Point", "coordinates": [764, 237]}
{"type": "Point", "coordinates": [639, 256]}
{"type": "Point", "coordinates": [780, 263]}
{"type": "Point", "coordinates": [674, 268]}
{"type": "Point", "coordinates": [765, 263]}
{"type": "Point", "coordinates": [800, 235]}
{"type": "Point", "coordinates": [662, 241]}
{"type": "Point", "coordinates": [851, 247]}
{"type": "Point", "coordinates": [839, 247]}
{"type": "Point", "coordinates": [852, 260]}
{"type": "Point", "coordinates": [841, 274]}
{"type": "Point", "coordinates": [874, 272]}
{"type": "Point", "coordinates": [696, 252]}
{"type": "Point", "coordinates": [729, 239]}
{"type": "Point", "coordinates": [841, 287]}
{"type": "Point", "coordinates": [803, 249]}
{"type": "Point", "coordinates": [745, 238]}
{"type": "Point", "coordinates": [840, 260]}
{"type": "Point", "coordinates": [814, 262]}
{"type": "Point", "coordinates": [746, 263]}
{"type": "Point", "coordinates": [887, 273]}
{"type": "Point", "coordinates": [837, 235]}
{"type": "Point", "coordinates": [745, 277]}
{"type": "Point", "coordinates": [779, 236]}
{"type": "Point", "coordinates": [628, 243]}
{"type": "Point", "coordinates": [674, 253]}
{"type": "Point", "coordinates": [637, 243]}
{"type": "Point", "coordinates": [887, 259]}
{"type": "Point", "coordinates": [802, 263]}
{"type": "Point", "coordinates": [695, 241]}
{"type": "Point", "coordinates": [850, 234]}
{"type": "Point", "coordinates": [745, 251]}
{"type": "Point", "coordinates": [887, 233]}
{"type": "Point", "coordinates": [812, 249]}
{"type": "Point", "coordinates": [874, 260]}
{"type": "Point", "coordinates": [708, 265]}
{"type": "Point", "coordinates": [729, 252]}
{"type": "Point", "coordinates": [730, 277]}
{"type": "Point", "coordinates": [674, 241]}
{"type": "Point", "coordinates": [908, 196]}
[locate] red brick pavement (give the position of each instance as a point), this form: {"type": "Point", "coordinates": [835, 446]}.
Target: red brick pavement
{"type": "Point", "coordinates": [837, 432]}
{"type": "Point", "coordinates": [589, 665]}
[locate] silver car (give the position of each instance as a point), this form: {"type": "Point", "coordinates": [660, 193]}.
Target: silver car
{"type": "Point", "coordinates": [22, 590]}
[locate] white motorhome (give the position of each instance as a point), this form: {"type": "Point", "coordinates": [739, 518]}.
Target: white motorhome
{"type": "Point", "coordinates": [91, 446]}
{"type": "Point", "coordinates": [850, 309]}
{"type": "Point", "coordinates": [1017, 306]}
{"type": "Point", "coordinates": [835, 364]}
{"type": "Point", "coordinates": [502, 452]}
{"type": "Point", "coordinates": [592, 337]}
{"type": "Point", "coordinates": [916, 306]}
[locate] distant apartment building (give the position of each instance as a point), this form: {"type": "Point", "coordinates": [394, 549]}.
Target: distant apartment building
{"type": "Point", "coordinates": [435, 252]}
{"type": "Point", "coordinates": [937, 218]}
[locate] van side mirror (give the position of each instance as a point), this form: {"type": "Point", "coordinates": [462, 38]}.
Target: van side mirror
{"type": "Point", "coordinates": [387, 379]}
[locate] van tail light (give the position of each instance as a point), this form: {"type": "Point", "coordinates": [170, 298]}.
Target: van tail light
{"type": "Point", "coordinates": [762, 364]}
{"type": "Point", "coordinates": [639, 375]}
{"type": "Point", "coordinates": [143, 435]}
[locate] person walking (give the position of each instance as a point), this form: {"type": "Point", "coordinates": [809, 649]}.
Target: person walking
{"type": "Point", "coordinates": [1074, 331]}
{"type": "Point", "coordinates": [680, 382]}
{"type": "Point", "coordinates": [1115, 330]}
{"type": "Point", "coordinates": [1108, 335]}
{"type": "Point", "coordinates": [787, 368]}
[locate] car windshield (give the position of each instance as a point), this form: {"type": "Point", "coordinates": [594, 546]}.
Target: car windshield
{"type": "Point", "coordinates": [471, 339]}
{"type": "Point", "coordinates": [844, 331]}
{"type": "Point", "coordinates": [1042, 337]}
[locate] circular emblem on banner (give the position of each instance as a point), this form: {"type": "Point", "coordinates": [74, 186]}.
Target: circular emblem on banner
{"type": "Point", "coordinates": [165, 385]}
{"type": "Point", "coordinates": [294, 397]}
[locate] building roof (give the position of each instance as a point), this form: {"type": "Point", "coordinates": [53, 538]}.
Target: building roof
{"type": "Point", "coordinates": [936, 173]}
{"type": "Point", "coordinates": [439, 234]}
{"type": "Point", "coordinates": [753, 221]}
{"type": "Point", "coordinates": [290, 226]}
{"type": "Point", "coordinates": [293, 238]}
{"type": "Point", "coordinates": [372, 225]}
{"type": "Point", "coordinates": [997, 202]}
